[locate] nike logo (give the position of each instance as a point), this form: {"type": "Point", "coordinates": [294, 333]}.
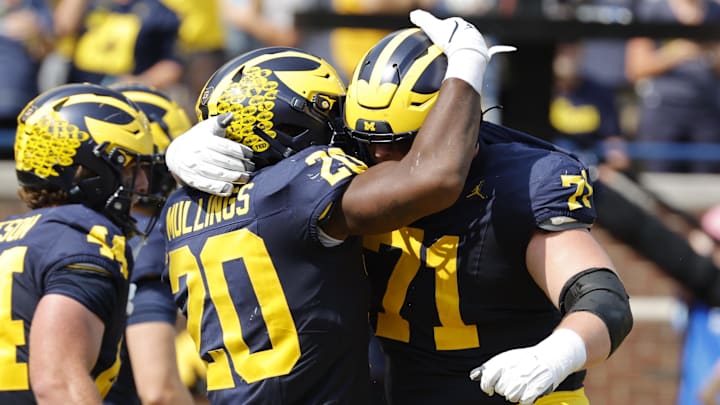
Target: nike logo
{"type": "Point", "coordinates": [453, 32]}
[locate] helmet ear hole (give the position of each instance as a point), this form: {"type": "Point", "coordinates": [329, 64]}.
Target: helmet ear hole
{"type": "Point", "coordinates": [324, 103]}
{"type": "Point", "coordinates": [76, 194]}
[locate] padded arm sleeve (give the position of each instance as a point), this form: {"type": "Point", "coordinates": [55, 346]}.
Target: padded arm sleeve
{"type": "Point", "coordinates": [599, 291]}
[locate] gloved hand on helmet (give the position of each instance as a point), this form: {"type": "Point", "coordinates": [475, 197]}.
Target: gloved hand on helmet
{"type": "Point", "coordinates": [204, 159]}
{"type": "Point", "coordinates": [465, 47]}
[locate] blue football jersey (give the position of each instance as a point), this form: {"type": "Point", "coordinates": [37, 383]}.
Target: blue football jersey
{"type": "Point", "coordinates": [278, 317]}
{"type": "Point", "coordinates": [123, 38]}
{"type": "Point", "coordinates": [69, 250]}
{"type": "Point", "coordinates": [452, 289]}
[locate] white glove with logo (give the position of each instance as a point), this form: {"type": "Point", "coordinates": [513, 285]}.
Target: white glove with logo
{"type": "Point", "coordinates": [523, 375]}
{"type": "Point", "coordinates": [204, 159]}
{"type": "Point", "coordinates": [466, 50]}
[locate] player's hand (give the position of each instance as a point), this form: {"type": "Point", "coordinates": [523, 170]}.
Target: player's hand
{"type": "Point", "coordinates": [465, 47]}
{"type": "Point", "coordinates": [204, 159]}
{"type": "Point", "coordinates": [523, 375]}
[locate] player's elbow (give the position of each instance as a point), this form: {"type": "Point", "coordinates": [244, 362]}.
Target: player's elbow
{"type": "Point", "coordinates": [444, 190]}
{"type": "Point", "coordinates": [48, 387]}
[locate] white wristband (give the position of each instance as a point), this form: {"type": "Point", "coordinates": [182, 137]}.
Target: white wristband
{"type": "Point", "coordinates": [564, 351]}
{"type": "Point", "coordinates": [468, 65]}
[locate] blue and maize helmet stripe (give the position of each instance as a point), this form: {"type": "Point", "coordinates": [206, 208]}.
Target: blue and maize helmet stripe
{"type": "Point", "coordinates": [282, 100]}
{"type": "Point", "coordinates": [88, 126]}
{"type": "Point", "coordinates": [394, 87]}
{"type": "Point", "coordinates": [168, 119]}
{"type": "Point", "coordinates": [230, 67]}
{"type": "Point", "coordinates": [367, 66]}
{"type": "Point", "coordinates": [53, 128]}
{"type": "Point", "coordinates": [415, 44]}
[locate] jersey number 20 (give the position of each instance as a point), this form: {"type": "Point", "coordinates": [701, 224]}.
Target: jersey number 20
{"type": "Point", "coordinates": [249, 248]}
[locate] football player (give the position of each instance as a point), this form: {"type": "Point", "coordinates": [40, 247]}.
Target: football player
{"type": "Point", "coordinates": [80, 155]}
{"type": "Point", "coordinates": [503, 297]}
{"type": "Point", "coordinates": [150, 332]}
{"type": "Point", "coordinates": [271, 276]}
{"type": "Point", "coordinates": [507, 285]}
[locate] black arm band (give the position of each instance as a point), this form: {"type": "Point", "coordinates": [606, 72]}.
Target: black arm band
{"type": "Point", "coordinates": [599, 291]}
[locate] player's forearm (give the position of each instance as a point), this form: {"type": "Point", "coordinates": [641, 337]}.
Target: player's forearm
{"type": "Point", "coordinates": [446, 143]}
{"type": "Point", "coordinates": [429, 178]}
{"type": "Point", "coordinates": [158, 381]}
{"type": "Point", "coordinates": [68, 15]}
{"type": "Point", "coordinates": [68, 385]}
{"type": "Point", "coordinates": [593, 332]}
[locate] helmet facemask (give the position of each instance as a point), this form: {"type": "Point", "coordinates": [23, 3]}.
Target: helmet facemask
{"type": "Point", "coordinates": [116, 198]}
{"type": "Point", "coordinates": [167, 120]}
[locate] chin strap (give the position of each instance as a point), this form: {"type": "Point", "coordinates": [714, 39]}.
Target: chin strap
{"type": "Point", "coordinates": [275, 153]}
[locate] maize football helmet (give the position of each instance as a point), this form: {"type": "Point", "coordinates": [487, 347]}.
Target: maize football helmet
{"type": "Point", "coordinates": [394, 87]}
{"type": "Point", "coordinates": [168, 120]}
{"type": "Point", "coordinates": [282, 99]}
{"type": "Point", "coordinates": [84, 126]}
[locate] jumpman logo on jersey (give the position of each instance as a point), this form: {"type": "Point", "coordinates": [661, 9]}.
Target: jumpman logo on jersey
{"type": "Point", "coordinates": [477, 191]}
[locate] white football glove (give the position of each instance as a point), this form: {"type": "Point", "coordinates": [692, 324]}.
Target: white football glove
{"type": "Point", "coordinates": [523, 375]}
{"type": "Point", "coordinates": [204, 159]}
{"type": "Point", "coordinates": [466, 50]}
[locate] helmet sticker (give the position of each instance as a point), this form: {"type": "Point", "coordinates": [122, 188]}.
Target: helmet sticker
{"type": "Point", "coordinates": [206, 95]}
{"type": "Point", "coordinates": [48, 143]}
{"type": "Point", "coordinates": [251, 100]}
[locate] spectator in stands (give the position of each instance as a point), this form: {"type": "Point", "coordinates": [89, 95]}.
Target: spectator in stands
{"type": "Point", "coordinates": [700, 363]}
{"type": "Point", "coordinates": [252, 24]}
{"type": "Point", "coordinates": [583, 112]}
{"type": "Point", "coordinates": [201, 46]}
{"type": "Point", "coordinates": [677, 81]}
{"type": "Point", "coordinates": [126, 41]}
{"type": "Point", "coordinates": [25, 38]}
{"type": "Point", "coordinates": [343, 47]}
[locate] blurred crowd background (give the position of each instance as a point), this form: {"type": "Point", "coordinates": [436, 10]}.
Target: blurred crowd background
{"type": "Point", "coordinates": [631, 86]}
{"type": "Point", "coordinates": [633, 97]}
